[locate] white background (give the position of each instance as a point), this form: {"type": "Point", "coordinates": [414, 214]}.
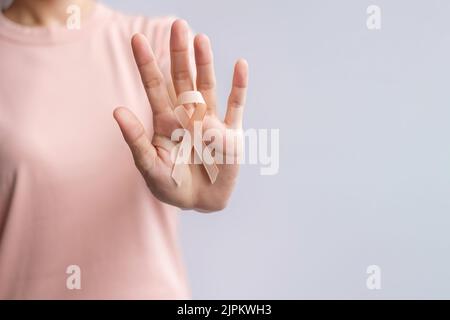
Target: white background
{"type": "Point", "coordinates": [365, 156]}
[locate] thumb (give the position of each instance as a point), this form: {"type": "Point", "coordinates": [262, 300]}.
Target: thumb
{"type": "Point", "coordinates": [144, 153]}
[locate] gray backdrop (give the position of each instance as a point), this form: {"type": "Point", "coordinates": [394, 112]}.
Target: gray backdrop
{"type": "Point", "coordinates": [364, 163]}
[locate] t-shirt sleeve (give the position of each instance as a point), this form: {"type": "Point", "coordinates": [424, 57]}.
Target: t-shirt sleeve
{"type": "Point", "coordinates": [160, 41]}
{"type": "Point", "coordinates": [157, 30]}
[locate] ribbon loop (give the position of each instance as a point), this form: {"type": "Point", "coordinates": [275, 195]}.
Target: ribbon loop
{"type": "Point", "coordinates": [188, 123]}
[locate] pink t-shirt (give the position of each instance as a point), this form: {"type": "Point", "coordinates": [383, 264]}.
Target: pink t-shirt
{"type": "Point", "coordinates": [70, 194]}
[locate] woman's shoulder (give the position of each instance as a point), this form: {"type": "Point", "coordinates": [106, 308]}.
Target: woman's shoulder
{"type": "Point", "coordinates": [148, 25]}
{"type": "Point", "coordinates": [155, 28]}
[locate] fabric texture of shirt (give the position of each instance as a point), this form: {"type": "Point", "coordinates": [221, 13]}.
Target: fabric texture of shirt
{"type": "Point", "coordinates": [70, 194]}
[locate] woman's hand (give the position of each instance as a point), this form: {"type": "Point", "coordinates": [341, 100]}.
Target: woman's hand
{"type": "Point", "coordinates": [152, 155]}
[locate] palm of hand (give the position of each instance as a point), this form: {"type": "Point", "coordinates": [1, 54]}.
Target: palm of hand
{"type": "Point", "coordinates": [154, 157]}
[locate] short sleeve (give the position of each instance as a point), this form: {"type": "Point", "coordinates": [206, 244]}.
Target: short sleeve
{"type": "Point", "coordinates": [160, 41]}
{"type": "Point", "coordinates": [158, 31]}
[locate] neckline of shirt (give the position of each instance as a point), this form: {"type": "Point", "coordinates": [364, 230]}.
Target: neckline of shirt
{"type": "Point", "coordinates": [52, 34]}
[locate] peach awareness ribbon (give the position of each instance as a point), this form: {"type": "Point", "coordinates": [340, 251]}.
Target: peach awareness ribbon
{"type": "Point", "coordinates": [187, 122]}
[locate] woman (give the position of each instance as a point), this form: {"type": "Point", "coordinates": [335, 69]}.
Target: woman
{"type": "Point", "coordinates": [77, 220]}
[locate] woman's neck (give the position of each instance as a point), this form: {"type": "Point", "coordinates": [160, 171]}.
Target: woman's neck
{"type": "Point", "coordinates": [45, 12]}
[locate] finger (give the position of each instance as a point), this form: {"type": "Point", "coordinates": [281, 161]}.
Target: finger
{"type": "Point", "coordinates": [238, 95]}
{"type": "Point", "coordinates": [206, 79]}
{"type": "Point", "coordinates": [179, 57]}
{"type": "Point", "coordinates": [144, 153]}
{"type": "Point", "coordinates": [152, 77]}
